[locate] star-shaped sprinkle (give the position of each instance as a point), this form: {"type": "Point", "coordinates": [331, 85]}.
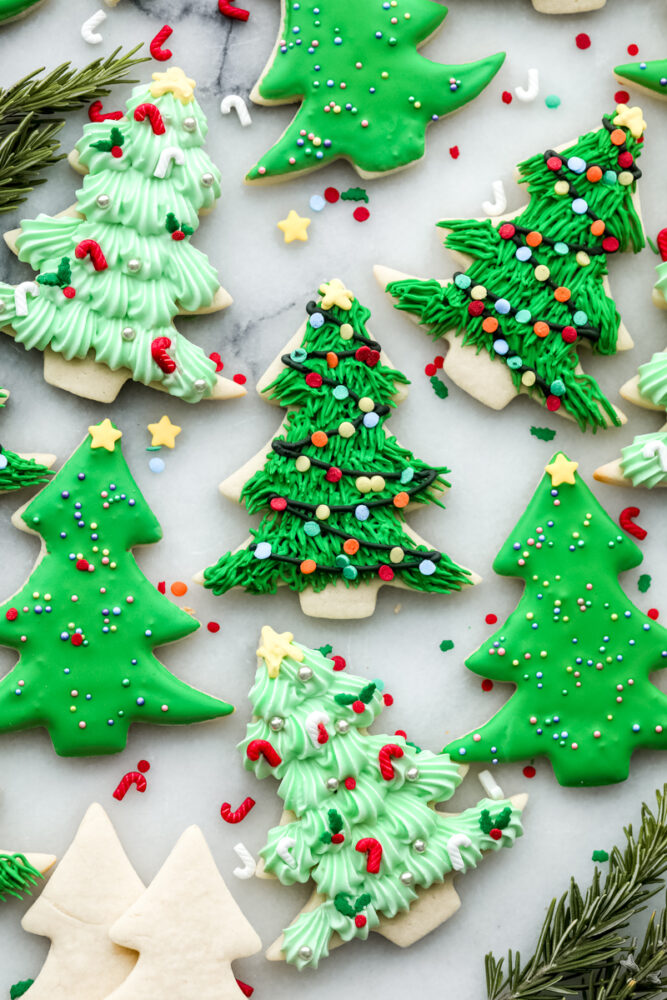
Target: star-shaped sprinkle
{"type": "Point", "coordinates": [562, 470]}
{"type": "Point", "coordinates": [334, 293]}
{"type": "Point", "coordinates": [294, 227]}
{"type": "Point", "coordinates": [174, 81]}
{"type": "Point", "coordinates": [164, 432]}
{"type": "Point", "coordinates": [632, 118]}
{"type": "Point", "coordinates": [104, 435]}
{"type": "Point", "coordinates": [274, 647]}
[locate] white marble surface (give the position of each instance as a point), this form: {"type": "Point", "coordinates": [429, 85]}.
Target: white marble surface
{"type": "Point", "coordinates": [495, 464]}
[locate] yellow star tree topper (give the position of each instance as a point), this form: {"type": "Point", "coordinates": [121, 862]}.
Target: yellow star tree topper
{"type": "Point", "coordinates": [164, 432]}
{"type": "Point", "coordinates": [274, 646]}
{"type": "Point", "coordinates": [174, 81]}
{"type": "Point", "coordinates": [334, 293]}
{"type": "Point", "coordinates": [562, 470]}
{"type": "Point", "coordinates": [104, 435]}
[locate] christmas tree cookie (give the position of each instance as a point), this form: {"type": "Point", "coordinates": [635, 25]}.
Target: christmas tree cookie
{"type": "Point", "coordinates": [367, 95]}
{"type": "Point", "coordinates": [650, 76]}
{"type": "Point", "coordinates": [187, 929]}
{"type": "Point", "coordinates": [10, 9]}
{"type": "Point", "coordinates": [577, 649]}
{"type": "Point", "coordinates": [533, 286]}
{"type": "Point", "coordinates": [333, 487]}
{"type": "Point", "coordinates": [567, 6]}
{"type": "Point", "coordinates": [117, 267]}
{"type": "Point", "coordinates": [17, 471]}
{"type": "Point", "coordinates": [20, 873]}
{"type": "Point", "coordinates": [86, 621]}
{"type": "Point", "coordinates": [360, 818]}
{"type": "Point", "coordinates": [91, 888]}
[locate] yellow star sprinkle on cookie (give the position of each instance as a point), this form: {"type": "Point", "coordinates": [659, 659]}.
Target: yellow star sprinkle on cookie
{"type": "Point", "coordinates": [294, 227]}
{"type": "Point", "coordinates": [104, 435]}
{"type": "Point", "coordinates": [562, 470]}
{"type": "Point", "coordinates": [274, 647]}
{"type": "Point", "coordinates": [174, 81]}
{"type": "Point", "coordinates": [334, 293]}
{"type": "Point", "coordinates": [632, 118]}
{"type": "Point", "coordinates": [164, 432]}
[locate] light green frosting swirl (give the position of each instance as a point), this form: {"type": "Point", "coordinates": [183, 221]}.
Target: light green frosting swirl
{"type": "Point", "coordinates": [640, 469]}
{"type": "Point", "coordinates": [653, 379]}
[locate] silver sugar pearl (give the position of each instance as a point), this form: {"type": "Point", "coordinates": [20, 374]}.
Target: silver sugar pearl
{"type": "Point", "coordinates": [276, 723]}
{"type": "Point", "coordinates": [305, 673]}
{"type": "Point", "coordinates": [199, 384]}
{"type": "Point", "coordinates": [407, 878]}
{"type": "Point", "coordinates": [419, 846]}
{"type": "Point", "coordinates": [190, 124]}
{"type": "Point", "coordinates": [342, 726]}
{"type": "Point", "coordinates": [128, 333]}
{"type": "Point", "coordinates": [305, 953]}
{"type": "Point", "coordinates": [332, 784]}
{"type": "Point", "coordinates": [103, 201]}
{"type": "Point", "coordinates": [412, 773]}
{"type": "Point", "coordinates": [207, 180]}
{"type": "Point", "coordinates": [133, 265]}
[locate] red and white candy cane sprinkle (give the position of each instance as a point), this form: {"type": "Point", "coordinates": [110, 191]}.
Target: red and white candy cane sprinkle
{"type": "Point", "coordinates": [262, 748]}
{"type": "Point", "coordinates": [129, 779]}
{"type": "Point", "coordinates": [384, 757]}
{"type": "Point", "coordinates": [159, 354]}
{"type": "Point", "coordinates": [21, 296]}
{"type": "Point", "coordinates": [156, 45]}
{"type": "Point", "coordinates": [235, 13]}
{"type": "Point", "coordinates": [373, 848]}
{"type": "Point", "coordinates": [238, 814]}
{"type": "Point", "coordinates": [94, 250]}
{"type": "Point", "coordinates": [316, 726]}
{"type": "Point", "coordinates": [96, 114]}
{"type": "Point", "coordinates": [152, 112]}
{"type": "Point", "coordinates": [455, 842]}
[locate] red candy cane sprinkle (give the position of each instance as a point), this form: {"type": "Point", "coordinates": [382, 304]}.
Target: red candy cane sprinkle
{"type": "Point", "coordinates": [96, 114]}
{"type": "Point", "coordinates": [373, 848]}
{"type": "Point", "coordinates": [246, 990]}
{"type": "Point", "coordinates": [129, 779]}
{"type": "Point", "coordinates": [626, 521]}
{"type": "Point", "coordinates": [238, 814]}
{"type": "Point", "coordinates": [159, 354]}
{"type": "Point", "coordinates": [388, 751]}
{"type": "Point", "coordinates": [339, 662]}
{"type": "Point", "coordinates": [152, 112]}
{"type": "Point", "coordinates": [94, 250]}
{"type": "Point", "coordinates": [156, 49]}
{"type": "Point", "coordinates": [227, 9]}
{"type": "Point", "coordinates": [262, 748]}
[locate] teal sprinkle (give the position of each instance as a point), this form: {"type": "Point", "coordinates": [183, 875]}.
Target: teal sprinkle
{"type": "Point", "coordinates": [552, 101]}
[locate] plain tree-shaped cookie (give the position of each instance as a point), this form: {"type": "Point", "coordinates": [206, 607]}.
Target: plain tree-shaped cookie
{"type": "Point", "coordinates": [91, 887]}
{"type": "Point", "coordinates": [187, 929]}
{"type": "Point", "coordinates": [567, 6]}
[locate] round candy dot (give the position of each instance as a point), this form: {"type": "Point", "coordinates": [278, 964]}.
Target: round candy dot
{"type": "Point", "coordinates": [487, 685]}
{"type": "Point", "coordinates": [632, 51]}
{"type": "Point", "coordinates": [331, 194]}
{"type": "Point", "coordinates": [542, 272]}
{"type": "Point", "coordinates": [506, 232]}
{"type": "Point", "coordinates": [610, 244]}
{"type": "Point", "coordinates": [314, 380]}
{"type": "Point", "coordinates": [371, 420]}
{"type": "Point", "coordinates": [528, 378]}
{"type": "Point", "coordinates": [350, 572]}
{"type": "Point", "coordinates": [501, 347]}
{"type": "Point", "coordinates": [346, 331]}
{"type": "Point", "coordinates": [361, 214]}
{"type": "Point", "coordinates": [562, 294]}
{"type": "Point", "coordinates": [576, 164]}
{"type": "Point", "coordinates": [332, 359]}
{"type": "Point", "coordinates": [366, 404]}
{"type": "Point", "coordinates": [621, 97]}
{"type": "Point", "coordinates": [617, 137]}
{"type": "Point", "coordinates": [561, 188]}
{"type": "Point", "coordinates": [319, 439]}
{"type": "Point", "coordinates": [580, 318]}
{"type": "Point", "coordinates": [363, 484]}
{"type": "Point", "coordinates": [302, 463]}
{"type": "Point", "coordinates": [514, 362]}
{"type": "Point", "coordinates": [213, 627]}
{"type": "Point", "coordinates": [317, 203]}
{"type": "Point", "coordinates": [397, 554]}
{"type": "Point", "coordinates": [333, 474]}
{"type": "Point", "coordinates": [506, 97]}
{"type": "Point", "coordinates": [340, 392]}
{"type": "Point", "coordinates": [298, 354]}
{"type": "Point", "coordinates": [11, 614]}
{"type": "Point", "coordinates": [478, 292]}
{"type": "Point", "coordinates": [377, 484]}
{"type": "Point", "coordinates": [178, 588]}
{"type": "Point", "coordinates": [625, 178]}
{"type": "Point", "coordinates": [523, 253]}
{"type": "Point", "coordinates": [502, 306]}
{"type": "Point", "coordinates": [308, 566]}
{"type": "Point", "coordinates": [386, 573]}
{"type": "Point", "coordinates": [653, 613]}
{"type": "Point", "coordinates": [401, 500]}
{"type": "Point", "coordinates": [156, 465]}
{"type": "Point", "coordinates": [552, 101]}
{"type": "Point", "coordinates": [529, 771]}
{"type": "Point", "coordinates": [561, 248]}
{"type": "Point", "coordinates": [3, 462]}
{"type": "Point", "coordinates": [430, 370]}
{"type": "Point", "coordinates": [579, 206]}
{"type": "Point", "coordinates": [322, 511]}
{"type": "Point", "coordinates": [351, 546]}
{"type": "Point", "coordinates": [582, 40]}
{"type": "Point", "coordinates": [361, 512]}
{"type": "Point", "coordinates": [346, 429]}
{"type": "Point", "coordinates": [523, 316]}
{"type": "Point", "coordinates": [554, 163]}
{"type": "Point", "coordinates": [597, 227]}
{"type": "Point", "coordinates": [489, 325]}
{"type": "Point", "coordinates": [569, 334]}
{"type": "Point", "coordinates": [557, 387]}
{"type": "Point", "coordinates": [582, 258]}
{"type": "Point", "coordinates": [533, 238]}
{"type": "Point", "coordinates": [491, 619]}
{"type": "Point", "coordinates": [553, 403]}
{"type": "Point", "coordinates": [311, 528]}
{"type": "Point", "coordinates": [462, 280]}
{"type": "Point", "coordinates": [427, 567]}
{"type": "Point", "coordinates": [278, 503]}
{"type": "Point", "coordinates": [541, 329]}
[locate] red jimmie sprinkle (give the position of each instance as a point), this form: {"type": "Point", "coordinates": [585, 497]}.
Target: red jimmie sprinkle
{"type": "Point", "coordinates": [213, 627]}
{"type": "Point", "coordinates": [11, 614]}
{"type": "Point", "coordinates": [506, 97]}
{"type": "Point", "coordinates": [583, 41]}
{"type": "Point", "coordinates": [653, 613]}
{"type": "Point", "coordinates": [96, 114]}
{"type": "Point", "coordinates": [361, 214]}
{"type": "Point", "coordinates": [156, 49]}
{"type": "Point", "coordinates": [633, 49]}
{"type": "Point", "coordinates": [491, 619]}
{"type": "Point", "coordinates": [162, 586]}
{"type": "Point", "coordinates": [529, 771]}
{"type": "Point", "coordinates": [239, 814]}
{"type": "Point", "coordinates": [621, 97]}
{"type": "Point", "coordinates": [331, 194]}
{"type": "Point", "coordinates": [487, 685]}
{"type": "Point", "coordinates": [626, 521]}
{"type": "Point", "coordinates": [388, 700]}
{"type": "Point", "coordinates": [246, 990]}
{"type": "Point", "coordinates": [454, 152]}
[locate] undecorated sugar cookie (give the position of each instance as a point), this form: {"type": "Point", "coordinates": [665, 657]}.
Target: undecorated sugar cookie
{"type": "Point", "coordinates": [360, 817]}
{"type": "Point", "coordinates": [532, 288]}
{"type": "Point", "coordinates": [578, 651]}
{"type": "Point", "coordinates": [333, 487]}
{"type": "Point", "coordinates": [117, 267]}
{"type": "Point", "coordinates": [86, 621]}
{"type": "Point", "coordinates": [367, 95]}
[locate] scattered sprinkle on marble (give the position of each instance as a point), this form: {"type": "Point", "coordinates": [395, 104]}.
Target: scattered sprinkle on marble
{"type": "Point", "coordinates": [317, 203]}
{"type": "Point", "coordinates": [156, 465]}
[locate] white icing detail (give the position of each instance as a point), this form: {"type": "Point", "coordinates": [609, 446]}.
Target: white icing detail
{"type": "Point", "coordinates": [312, 722]}
{"type": "Point", "coordinates": [499, 203]}
{"type": "Point", "coordinates": [236, 101]}
{"type": "Point", "coordinates": [166, 156]}
{"type": "Point", "coordinates": [532, 90]}
{"type": "Point", "coordinates": [20, 296]}
{"type": "Point", "coordinates": [653, 448]}
{"type": "Point", "coordinates": [455, 842]}
{"type": "Point", "coordinates": [249, 863]}
{"type": "Point", "coordinates": [490, 785]}
{"type": "Point", "coordinates": [89, 31]}
{"type": "Point", "coordinates": [283, 848]}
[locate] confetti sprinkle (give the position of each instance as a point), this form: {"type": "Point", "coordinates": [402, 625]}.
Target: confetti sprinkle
{"type": "Point", "coordinates": [583, 41]}
{"type": "Point", "coordinates": [331, 194]}
{"type": "Point", "coordinates": [543, 433]}
{"type": "Point", "coordinates": [643, 583]}
{"type": "Point", "coordinates": [162, 586]}
{"type": "Point", "coordinates": [621, 96]}
{"type": "Point", "coordinates": [454, 152]}
{"type": "Point", "coordinates": [446, 645]}
{"type": "Point", "coordinates": [317, 203]}
{"type": "Point", "coordinates": [491, 619]}
{"type": "Point", "coordinates": [529, 771]}
{"type": "Point", "coordinates": [633, 49]}
{"type": "Point", "coordinates": [487, 685]}
{"type": "Point", "coordinates": [552, 101]}
{"type": "Point", "coordinates": [178, 588]}
{"type": "Point", "coordinates": [156, 465]}
{"type": "Point", "coordinates": [143, 766]}
{"type": "Point", "coordinates": [388, 700]}
{"type": "Point", "coordinates": [430, 369]}
{"type": "Point", "coordinates": [600, 856]}
{"type": "Point", "coordinates": [361, 214]}
{"type": "Point", "coordinates": [438, 361]}
{"type": "Point", "coordinates": [653, 614]}
{"type": "Point", "coordinates": [213, 627]}
{"type": "Point", "coordinates": [239, 379]}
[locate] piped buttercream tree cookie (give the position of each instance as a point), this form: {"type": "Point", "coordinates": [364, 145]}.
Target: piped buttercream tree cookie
{"type": "Point", "coordinates": [187, 929]}
{"type": "Point", "coordinates": [91, 888]}
{"type": "Point", "coordinates": [367, 95]}
{"type": "Point", "coordinates": [578, 650]}
{"type": "Point", "coordinates": [360, 819]}
{"type": "Point", "coordinates": [87, 620]}
{"type": "Point", "coordinates": [117, 268]}
{"type": "Point", "coordinates": [333, 487]}
{"type": "Point", "coordinates": [19, 470]}
{"type": "Point", "coordinates": [533, 286]}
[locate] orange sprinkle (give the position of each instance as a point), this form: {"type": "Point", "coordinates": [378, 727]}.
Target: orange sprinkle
{"type": "Point", "coordinates": [490, 324]}
{"type": "Point", "coordinates": [533, 239]}
{"type": "Point", "coordinates": [332, 359]}
{"type": "Point", "coordinates": [594, 174]}
{"type": "Point", "coordinates": [401, 500]}
{"type": "Point", "coordinates": [617, 137]}
{"type": "Point", "coordinates": [319, 439]}
{"type": "Point", "coordinates": [350, 546]}
{"type": "Point", "coordinates": [308, 566]}
{"type": "Point", "coordinates": [541, 329]}
{"type": "Point", "coordinates": [178, 588]}
{"type": "Point", "coordinates": [562, 294]}
{"type": "Point", "coordinates": [598, 227]}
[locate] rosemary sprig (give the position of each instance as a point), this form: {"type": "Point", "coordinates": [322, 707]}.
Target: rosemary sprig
{"type": "Point", "coordinates": [581, 941]}
{"type": "Point", "coordinates": [31, 113]}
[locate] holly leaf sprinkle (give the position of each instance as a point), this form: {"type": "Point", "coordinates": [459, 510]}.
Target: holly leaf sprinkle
{"type": "Point", "coordinates": [20, 988]}
{"type": "Point", "coordinates": [446, 645]}
{"type": "Point", "coordinates": [342, 905]}
{"type": "Point", "coordinates": [643, 583]}
{"type": "Point", "coordinates": [600, 856]}
{"type": "Point", "coordinates": [543, 433]}
{"type": "Point", "coordinates": [325, 650]}
{"type": "Point", "coordinates": [487, 822]}
{"type": "Point", "coordinates": [367, 693]}
{"type": "Point", "coordinates": [362, 901]}
{"type": "Point", "coordinates": [171, 225]}
{"type": "Point", "coordinates": [355, 194]}
{"type": "Point", "coordinates": [439, 388]}
{"type": "Point", "coordinates": [335, 821]}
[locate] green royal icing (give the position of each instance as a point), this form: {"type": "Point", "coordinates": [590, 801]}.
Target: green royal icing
{"type": "Point", "coordinates": [86, 669]}
{"type": "Point", "coordinates": [651, 74]}
{"type": "Point", "coordinates": [644, 461]}
{"type": "Point", "coordinates": [304, 531]}
{"type": "Point", "coordinates": [517, 296]}
{"type": "Point", "coordinates": [397, 812]}
{"type": "Point", "coordinates": [367, 94]}
{"type": "Point", "coordinates": [12, 8]}
{"type": "Point", "coordinates": [578, 650]}
{"type": "Point", "coordinates": [173, 277]}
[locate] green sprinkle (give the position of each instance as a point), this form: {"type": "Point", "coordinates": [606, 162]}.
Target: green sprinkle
{"type": "Point", "coordinates": [652, 245]}
{"type": "Point", "coordinates": [154, 447]}
{"type": "Point", "coordinates": [446, 645]}
{"type": "Point", "coordinates": [355, 194]}
{"type": "Point", "coordinates": [20, 988]}
{"type": "Point", "coordinates": [643, 583]}
{"type": "Point", "coordinates": [543, 433]}
{"type": "Point", "coordinates": [600, 856]}
{"type": "Point", "coordinates": [439, 388]}
{"type": "Point", "coordinates": [325, 650]}
{"type": "Point", "coordinates": [552, 101]}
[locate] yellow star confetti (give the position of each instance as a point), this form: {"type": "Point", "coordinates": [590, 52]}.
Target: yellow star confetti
{"type": "Point", "coordinates": [294, 227]}
{"type": "Point", "coordinates": [632, 118]}
{"type": "Point", "coordinates": [334, 293]}
{"type": "Point", "coordinates": [562, 470]}
{"type": "Point", "coordinates": [174, 81]}
{"type": "Point", "coordinates": [275, 646]}
{"type": "Point", "coordinates": [104, 435]}
{"type": "Point", "coordinates": [164, 432]}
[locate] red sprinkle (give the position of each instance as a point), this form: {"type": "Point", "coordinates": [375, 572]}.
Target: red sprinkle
{"type": "Point", "coordinates": [213, 627]}
{"type": "Point", "coordinates": [361, 214]}
{"type": "Point", "coordinates": [77, 639]}
{"type": "Point", "coordinates": [236, 14]}
{"type": "Point", "coordinates": [491, 619]}
{"type": "Point", "coordinates": [661, 240]}
{"type": "Point", "coordinates": [495, 834]}
{"type": "Point", "coordinates": [82, 565]}
{"type": "Point", "coordinates": [129, 779]}
{"type": "Point", "coordinates": [278, 503]}
{"type": "Point", "coordinates": [438, 361]}
{"type": "Point", "coordinates": [553, 403]}
{"type": "Point", "coordinates": [454, 152]}
{"type": "Point", "coordinates": [633, 49]}
{"type": "Point", "coordinates": [621, 97]}
{"type": "Point", "coordinates": [386, 573]}
{"type": "Point", "coordinates": [487, 685]}
{"type": "Point", "coordinates": [430, 370]}
{"type": "Point", "coordinates": [583, 41]}
{"type": "Point", "coordinates": [401, 732]}
{"type": "Point", "coordinates": [653, 613]}
{"type": "Point", "coordinates": [96, 115]}
{"type": "Point", "coordinates": [350, 784]}
{"type": "Point", "coordinates": [339, 662]}
{"type": "Point", "coordinates": [314, 380]}
{"type": "Point", "coordinates": [360, 920]}
{"type": "Point", "coordinates": [69, 292]}
{"type": "Point", "coordinates": [246, 990]}
{"type": "Point", "coordinates": [156, 49]}
{"type": "Point", "coordinates": [162, 586]}
{"type": "Point", "coordinates": [238, 814]}
{"type": "Point", "coordinates": [388, 700]}
{"type": "Point", "coordinates": [529, 771]}
{"type": "Point", "coordinates": [12, 614]}
{"type": "Point", "coordinates": [626, 521]}
{"type": "Point", "coordinates": [506, 97]}
{"type": "Point", "coordinates": [217, 361]}
{"type": "Point", "coordinates": [331, 194]}
{"type": "Point", "coordinates": [143, 766]}
{"type": "Point", "coordinates": [239, 379]}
